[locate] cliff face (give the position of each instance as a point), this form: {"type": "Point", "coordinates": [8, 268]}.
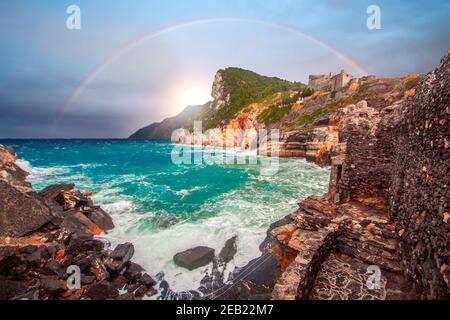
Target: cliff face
{"type": "Point", "coordinates": [387, 204]}
{"type": "Point", "coordinates": [308, 120]}
{"type": "Point", "coordinates": [233, 90]}
{"type": "Point", "coordinates": [219, 93]}
{"type": "Point", "coordinates": [18, 199]}
{"type": "Point", "coordinates": [420, 194]}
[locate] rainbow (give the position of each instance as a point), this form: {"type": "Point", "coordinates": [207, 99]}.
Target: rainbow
{"type": "Point", "coordinates": [169, 28]}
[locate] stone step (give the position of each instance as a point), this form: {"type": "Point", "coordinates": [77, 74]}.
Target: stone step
{"type": "Point", "coordinates": [298, 279]}
{"type": "Point", "coordinates": [345, 279]}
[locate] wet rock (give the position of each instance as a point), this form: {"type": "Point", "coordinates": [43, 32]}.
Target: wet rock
{"type": "Point", "coordinates": [126, 296]}
{"type": "Point", "coordinates": [229, 250]}
{"type": "Point", "coordinates": [119, 257]}
{"type": "Point", "coordinates": [101, 218]}
{"type": "Point", "coordinates": [15, 207]}
{"type": "Point", "coordinates": [71, 200]}
{"type": "Point", "coordinates": [133, 271]}
{"type": "Point", "coordinates": [132, 287]}
{"type": "Point", "coordinates": [166, 223]}
{"type": "Point", "coordinates": [102, 291]}
{"type": "Point", "coordinates": [141, 291]}
{"type": "Point", "coordinates": [147, 280]}
{"type": "Point", "coordinates": [194, 258]}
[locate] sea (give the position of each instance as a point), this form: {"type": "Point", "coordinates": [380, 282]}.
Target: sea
{"type": "Point", "coordinates": [141, 186]}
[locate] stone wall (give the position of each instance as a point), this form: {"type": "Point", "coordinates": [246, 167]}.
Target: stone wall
{"type": "Point", "coordinates": [322, 82]}
{"type": "Point", "coordinates": [330, 81]}
{"type": "Point", "coordinates": [364, 168]}
{"type": "Point", "coordinates": [420, 184]}
{"type": "Point", "coordinates": [400, 155]}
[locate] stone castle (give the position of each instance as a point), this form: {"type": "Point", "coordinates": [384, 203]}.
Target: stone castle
{"type": "Point", "coordinates": [330, 81]}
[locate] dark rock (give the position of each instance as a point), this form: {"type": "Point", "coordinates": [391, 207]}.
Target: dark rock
{"type": "Point", "coordinates": [35, 259]}
{"type": "Point", "coordinates": [132, 287]}
{"type": "Point", "coordinates": [19, 272]}
{"type": "Point", "coordinates": [9, 262]}
{"type": "Point", "coordinates": [133, 271]}
{"type": "Point", "coordinates": [194, 258]}
{"type": "Point", "coordinates": [119, 257]}
{"type": "Point", "coordinates": [53, 268]}
{"type": "Point", "coordinates": [71, 200]}
{"type": "Point", "coordinates": [229, 250]}
{"type": "Point", "coordinates": [102, 291]}
{"type": "Point", "coordinates": [166, 223]}
{"type": "Point", "coordinates": [20, 213]}
{"type": "Point", "coordinates": [76, 221]}
{"type": "Point", "coordinates": [83, 262]}
{"type": "Point", "coordinates": [126, 296]}
{"type": "Point", "coordinates": [140, 291]}
{"type": "Point", "coordinates": [119, 282]}
{"type": "Point", "coordinates": [99, 270]}
{"type": "Point", "coordinates": [251, 281]}
{"type": "Point", "coordinates": [52, 285]}
{"type": "Point", "coordinates": [144, 291]}
{"type": "Point", "coordinates": [83, 243]}
{"type": "Point", "coordinates": [31, 295]}
{"type": "Point", "coordinates": [87, 279]}
{"type": "Point", "coordinates": [10, 289]}
{"type": "Point", "coordinates": [160, 276]}
{"type": "Point", "coordinates": [147, 280]}
{"type": "Point", "coordinates": [101, 218]}
{"type": "Point", "coordinates": [28, 249]}
{"type": "Point", "coordinates": [325, 121]}
{"type": "Point", "coordinates": [51, 192]}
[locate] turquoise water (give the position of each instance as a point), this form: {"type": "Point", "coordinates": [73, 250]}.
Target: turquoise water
{"type": "Point", "coordinates": [137, 183]}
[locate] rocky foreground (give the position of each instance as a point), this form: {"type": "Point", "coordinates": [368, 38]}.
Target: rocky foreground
{"type": "Point", "coordinates": [45, 236]}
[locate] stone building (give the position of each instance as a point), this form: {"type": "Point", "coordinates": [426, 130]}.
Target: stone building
{"type": "Point", "coordinates": [330, 81]}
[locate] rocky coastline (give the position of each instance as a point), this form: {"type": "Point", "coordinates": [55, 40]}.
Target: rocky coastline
{"type": "Point", "coordinates": [381, 232]}
{"type": "Point", "coordinates": [46, 235]}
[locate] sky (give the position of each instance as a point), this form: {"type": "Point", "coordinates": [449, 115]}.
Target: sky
{"type": "Point", "coordinates": [136, 62]}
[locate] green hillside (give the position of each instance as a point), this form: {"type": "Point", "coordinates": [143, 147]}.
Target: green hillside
{"type": "Point", "coordinates": [246, 87]}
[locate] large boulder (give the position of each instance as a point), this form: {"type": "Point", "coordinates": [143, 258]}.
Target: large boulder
{"type": "Point", "coordinates": [120, 256]}
{"type": "Point", "coordinates": [100, 218]}
{"type": "Point", "coordinates": [20, 213]}
{"type": "Point", "coordinates": [194, 258]}
{"type": "Point", "coordinates": [229, 250]}
{"type": "Point", "coordinates": [21, 209]}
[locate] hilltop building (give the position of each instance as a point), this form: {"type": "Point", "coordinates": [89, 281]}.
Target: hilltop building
{"type": "Point", "coordinates": [330, 81]}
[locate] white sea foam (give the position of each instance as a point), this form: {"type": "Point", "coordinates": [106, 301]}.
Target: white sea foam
{"type": "Point", "coordinates": [245, 212]}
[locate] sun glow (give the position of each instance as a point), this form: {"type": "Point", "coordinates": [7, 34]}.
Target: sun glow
{"type": "Point", "coordinates": [192, 97]}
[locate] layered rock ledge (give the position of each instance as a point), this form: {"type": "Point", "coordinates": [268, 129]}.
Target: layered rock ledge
{"type": "Point", "coordinates": [386, 214]}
